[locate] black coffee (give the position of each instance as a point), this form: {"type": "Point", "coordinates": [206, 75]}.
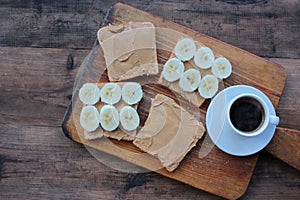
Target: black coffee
{"type": "Point", "coordinates": [246, 114]}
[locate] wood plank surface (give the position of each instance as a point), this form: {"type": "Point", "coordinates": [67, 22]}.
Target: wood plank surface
{"type": "Point", "coordinates": [285, 145]}
{"type": "Point", "coordinates": [264, 27]}
{"type": "Point", "coordinates": [247, 68]}
{"type": "Point", "coordinates": [38, 161]}
{"type": "Point", "coordinates": [230, 180]}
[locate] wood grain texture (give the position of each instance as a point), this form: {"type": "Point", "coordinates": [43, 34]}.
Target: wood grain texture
{"type": "Point", "coordinates": [38, 161]}
{"type": "Point", "coordinates": [288, 108]}
{"type": "Point", "coordinates": [229, 181]}
{"type": "Point", "coordinates": [264, 27]}
{"type": "Point", "coordinates": [285, 145]}
{"type": "Point", "coordinates": [247, 68]}
{"type": "Point", "coordinates": [268, 80]}
{"type": "Point", "coordinates": [20, 84]}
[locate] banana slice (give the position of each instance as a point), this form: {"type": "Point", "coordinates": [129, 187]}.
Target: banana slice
{"type": "Point", "coordinates": [111, 93]}
{"type": "Point", "coordinates": [109, 118]}
{"type": "Point", "coordinates": [185, 49]}
{"type": "Point", "coordinates": [132, 93]}
{"type": "Point", "coordinates": [208, 86]}
{"type": "Point", "coordinates": [173, 69]}
{"type": "Point", "coordinates": [190, 80]}
{"type": "Point", "coordinates": [129, 118]}
{"type": "Point", "coordinates": [89, 93]}
{"type": "Point", "coordinates": [221, 68]}
{"type": "Point", "coordinates": [204, 58]}
{"type": "Point", "coordinates": [89, 118]}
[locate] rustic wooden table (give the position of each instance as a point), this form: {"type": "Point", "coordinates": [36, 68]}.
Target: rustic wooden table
{"type": "Point", "coordinates": [42, 44]}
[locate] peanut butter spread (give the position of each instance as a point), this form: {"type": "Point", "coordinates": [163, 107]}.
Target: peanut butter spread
{"type": "Point", "coordinates": [169, 132]}
{"type": "Point", "coordinates": [98, 133]}
{"type": "Point", "coordinates": [129, 50]}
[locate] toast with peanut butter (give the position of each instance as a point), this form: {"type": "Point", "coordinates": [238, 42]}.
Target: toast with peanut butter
{"type": "Point", "coordinates": [129, 50]}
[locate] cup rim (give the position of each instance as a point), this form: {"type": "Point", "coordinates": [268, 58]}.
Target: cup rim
{"type": "Point", "coordinates": [266, 113]}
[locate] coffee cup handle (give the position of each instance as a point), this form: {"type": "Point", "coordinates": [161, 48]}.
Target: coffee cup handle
{"type": "Point", "coordinates": [274, 120]}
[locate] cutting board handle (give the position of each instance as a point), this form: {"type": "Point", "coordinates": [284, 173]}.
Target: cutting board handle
{"type": "Point", "coordinates": [285, 145]}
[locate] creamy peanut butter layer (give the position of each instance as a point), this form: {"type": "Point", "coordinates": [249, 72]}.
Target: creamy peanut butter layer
{"type": "Point", "coordinates": [98, 133]}
{"type": "Point", "coordinates": [169, 133]}
{"type": "Point", "coordinates": [129, 50]}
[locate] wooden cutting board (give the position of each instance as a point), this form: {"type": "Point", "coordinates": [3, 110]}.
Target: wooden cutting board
{"type": "Point", "coordinates": [217, 172]}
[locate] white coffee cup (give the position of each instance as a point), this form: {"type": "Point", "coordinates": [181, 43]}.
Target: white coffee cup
{"type": "Point", "coordinates": [266, 117]}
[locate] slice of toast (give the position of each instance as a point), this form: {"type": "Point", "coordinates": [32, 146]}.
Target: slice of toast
{"type": "Point", "coordinates": [129, 50]}
{"type": "Point", "coordinates": [169, 133]}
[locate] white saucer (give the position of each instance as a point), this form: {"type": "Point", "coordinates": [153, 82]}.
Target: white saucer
{"type": "Point", "coordinates": [220, 132]}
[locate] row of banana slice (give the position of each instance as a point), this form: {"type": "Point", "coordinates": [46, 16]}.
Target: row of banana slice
{"type": "Point", "coordinates": [190, 79]}
{"type": "Point", "coordinates": [109, 118]}
{"type": "Point", "coordinates": [111, 93]}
